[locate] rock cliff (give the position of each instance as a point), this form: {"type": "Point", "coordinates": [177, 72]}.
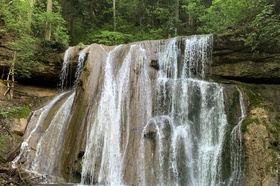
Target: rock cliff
{"type": "Point", "coordinates": [233, 63]}
{"type": "Point", "coordinates": [232, 59]}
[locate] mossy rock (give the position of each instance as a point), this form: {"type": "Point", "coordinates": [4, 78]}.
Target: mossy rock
{"type": "Point", "coordinates": [9, 147]}
{"type": "Point", "coordinates": [245, 123]}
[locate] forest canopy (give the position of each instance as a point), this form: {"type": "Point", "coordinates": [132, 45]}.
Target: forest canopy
{"type": "Point", "coordinates": [118, 21]}
{"type": "Point", "coordinates": [112, 22]}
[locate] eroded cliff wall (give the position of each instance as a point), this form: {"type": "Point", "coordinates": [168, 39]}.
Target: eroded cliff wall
{"type": "Point", "coordinates": [235, 64]}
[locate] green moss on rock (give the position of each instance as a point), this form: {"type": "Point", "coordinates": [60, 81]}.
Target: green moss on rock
{"type": "Point", "coordinates": [245, 123]}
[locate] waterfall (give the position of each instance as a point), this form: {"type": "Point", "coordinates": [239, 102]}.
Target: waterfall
{"type": "Point", "coordinates": [48, 146]}
{"type": "Point", "coordinates": [104, 138]}
{"type": "Point", "coordinates": [144, 114]}
{"type": "Point", "coordinates": [66, 70]}
{"type": "Point", "coordinates": [41, 149]}
{"type": "Point", "coordinates": [188, 131]}
{"type": "Point", "coordinates": [187, 145]}
{"type": "Point", "coordinates": [64, 81]}
{"type": "Point", "coordinates": [237, 148]}
{"type": "Point", "coordinates": [81, 60]}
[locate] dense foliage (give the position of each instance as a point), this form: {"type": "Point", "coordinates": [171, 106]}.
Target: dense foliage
{"type": "Point", "coordinates": [117, 21]}
{"type": "Point", "coordinates": [93, 21]}
{"type": "Point", "coordinates": [26, 21]}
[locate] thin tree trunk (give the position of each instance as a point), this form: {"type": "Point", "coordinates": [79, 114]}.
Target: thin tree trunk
{"type": "Point", "coordinates": [31, 4]}
{"type": "Point", "coordinates": [177, 16]}
{"type": "Point", "coordinates": [114, 15]}
{"type": "Point", "coordinates": [48, 27]}
{"type": "Point", "coordinates": [177, 4]}
{"type": "Point", "coordinates": [191, 23]}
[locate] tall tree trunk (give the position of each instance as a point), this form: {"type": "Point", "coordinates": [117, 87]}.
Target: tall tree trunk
{"type": "Point", "coordinates": [48, 27]}
{"type": "Point", "coordinates": [177, 16]}
{"type": "Point", "coordinates": [114, 15]}
{"type": "Point", "coordinates": [177, 6]}
{"type": "Point", "coordinates": [191, 23]}
{"type": "Point", "coordinates": [31, 4]}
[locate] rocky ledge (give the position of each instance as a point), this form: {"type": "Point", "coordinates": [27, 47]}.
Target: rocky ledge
{"type": "Point", "coordinates": [232, 59]}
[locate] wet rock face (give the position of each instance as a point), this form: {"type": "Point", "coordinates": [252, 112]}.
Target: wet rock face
{"type": "Point", "coordinates": [231, 60]}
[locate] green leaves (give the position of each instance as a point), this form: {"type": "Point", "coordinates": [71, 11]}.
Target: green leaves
{"type": "Point", "coordinates": [27, 23]}
{"type": "Point", "coordinates": [111, 38]}
{"type": "Point", "coordinates": [14, 111]}
{"type": "Point", "coordinates": [93, 21]}
{"type": "Point", "coordinates": [265, 29]}
{"type": "Point", "coordinates": [25, 47]}
{"type": "Point", "coordinates": [54, 18]}
{"type": "Point", "coordinates": [15, 15]}
{"type": "Point", "coordinates": [257, 17]}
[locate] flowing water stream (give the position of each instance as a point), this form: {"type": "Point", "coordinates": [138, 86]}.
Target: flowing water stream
{"type": "Point", "coordinates": [154, 119]}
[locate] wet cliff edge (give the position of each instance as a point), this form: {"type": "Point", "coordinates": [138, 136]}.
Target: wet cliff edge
{"type": "Point", "coordinates": [257, 76]}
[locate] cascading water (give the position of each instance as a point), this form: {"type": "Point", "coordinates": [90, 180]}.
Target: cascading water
{"type": "Point", "coordinates": [65, 70]}
{"type": "Point", "coordinates": [144, 115]}
{"type": "Point", "coordinates": [188, 130]}
{"type": "Point", "coordinates": [81, 60]}
{"type": "Point", "coordinates": [57, 127]}
{"type": "Point", "coordinates": [237, 176]}
{"type": "Point", "coordinates": [41, 150]}
{"type": "Point", "coordinates": [105, 135]}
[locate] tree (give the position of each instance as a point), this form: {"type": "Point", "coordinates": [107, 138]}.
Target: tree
{"type": "Point", "coordinates": [48, 23]}
{"type": "Point", "coordinates": [260, 18]}
{"type": "Point", "coordinates": [25, 21]}
{"type": "Point", "coordinates": [31, 3]}
{"type": "Point", "coordinates": [48, 31]}
{"type": "Point", "coordinates": [114, 15]}
{"type": "Point", "coordinates": [265, 27]}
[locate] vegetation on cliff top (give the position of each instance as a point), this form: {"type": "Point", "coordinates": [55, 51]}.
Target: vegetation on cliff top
{"type": "Point", "coordinates": [113, 22]}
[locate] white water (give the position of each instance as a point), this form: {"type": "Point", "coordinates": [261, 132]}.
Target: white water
{"type": "Point", "coordinates": [186, 117]}
{"type": "Point", "coordinates": [42, 154]}
{"type": "Point", "coordinates": [81, 61]}
{"type": "Point", "coordinates": [236, 148]}
{"type": "Point", "coordinates": [166, 128]}
{"type": "Point", "coordinates": [190, 118]}
{"type": "Point", "coordinates": [47, 160]}
{"type": "Point", "coordinates": [41, 114]}
{"type": "Point", "coordinates": [105, 135]}
{"type": "Point", "coordinates": [64, 79]}
{"type": "Point", "coordinates": [65, 76]}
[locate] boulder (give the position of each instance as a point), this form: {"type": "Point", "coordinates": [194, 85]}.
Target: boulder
{"type": "Point", "coordinates": [19, 126]}
{"type": "Point", "coordinates": [9, 147]}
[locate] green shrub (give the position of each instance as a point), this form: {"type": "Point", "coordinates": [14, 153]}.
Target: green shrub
{"type": "Point", "coordinates": [14, 112]}
{"type": "Point", "coordinates": [110, 38]}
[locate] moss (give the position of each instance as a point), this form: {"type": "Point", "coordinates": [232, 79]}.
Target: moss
{"type": "Point", "coordinates": [23, 112]}
{"type": "Point", "coordinates": [255, 98]}
{"type": "Point", "coordinates": [3, 139]}
{"type": "Point", "coordinates": [29, 101]}
{"type": "Point", "coordinates": [252, 94]}
{"type": "Point", "coordinates": [247, 122]}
